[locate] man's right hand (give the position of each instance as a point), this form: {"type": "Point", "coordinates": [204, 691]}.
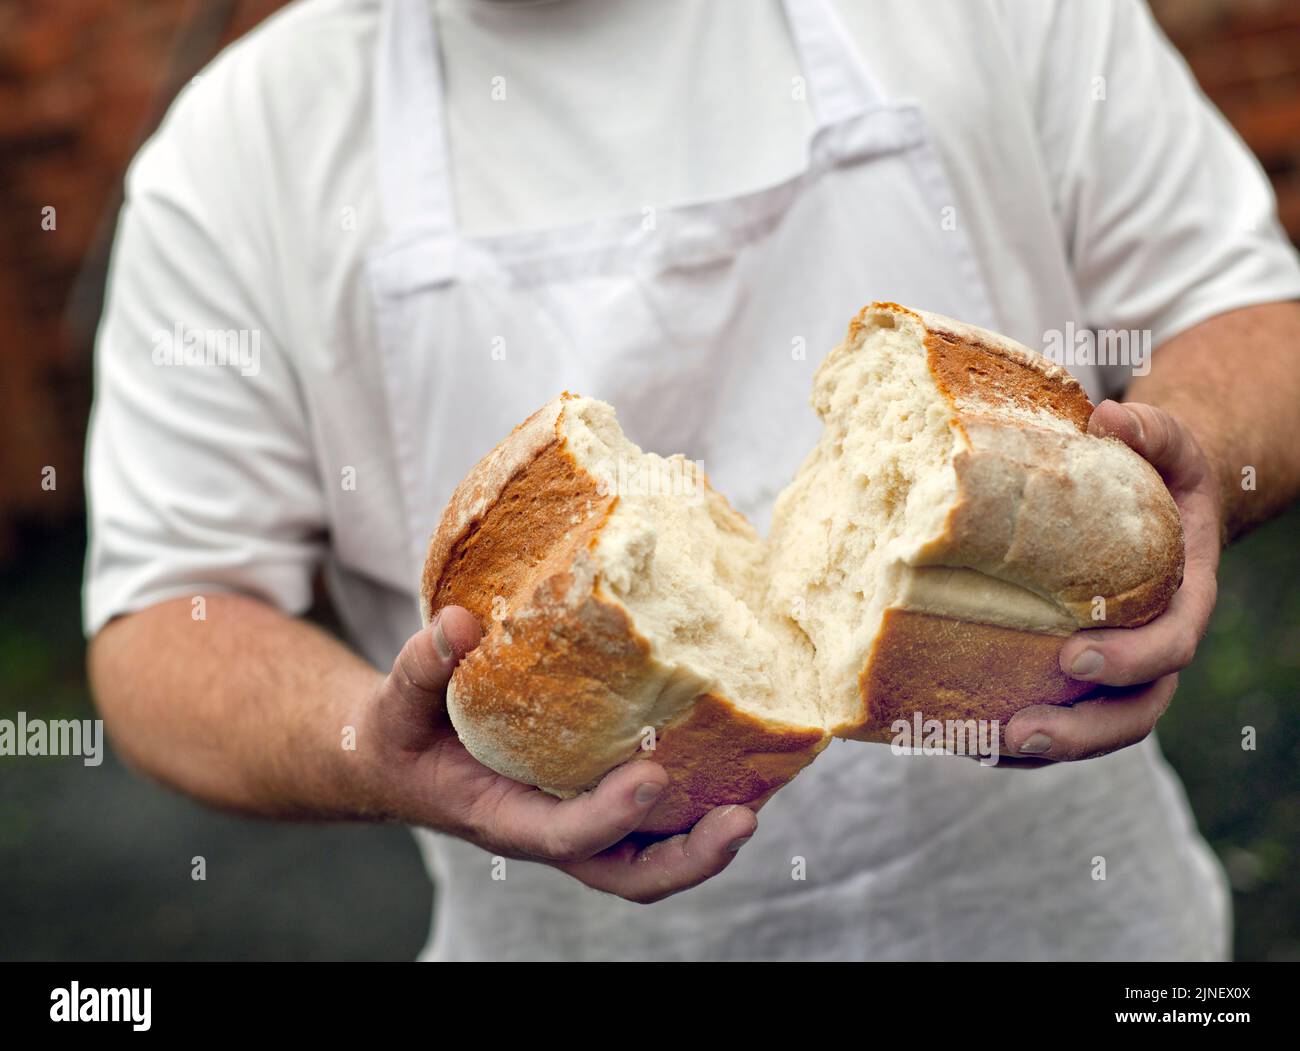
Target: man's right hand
{"type": "Point", "coordinates": [420, 773]}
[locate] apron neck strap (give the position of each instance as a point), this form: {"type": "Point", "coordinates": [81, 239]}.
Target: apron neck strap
{"type": "Point", "coordinates": [410, 129]}
{"type": "Point", "coordinates": [840, 84]}
{"type": "Point", "coordinates": [410, 122]}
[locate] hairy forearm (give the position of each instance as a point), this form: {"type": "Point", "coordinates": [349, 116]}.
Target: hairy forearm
{"type": "Point", "coordinates": [1234, 380]}
{"type": "Point", "coordinates": [245, 709]}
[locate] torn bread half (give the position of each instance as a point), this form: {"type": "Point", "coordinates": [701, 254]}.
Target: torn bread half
{"type": "Point", "coordinates": [953, 524]}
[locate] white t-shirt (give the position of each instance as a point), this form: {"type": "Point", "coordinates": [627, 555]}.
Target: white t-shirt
{"type": "Point", "coordinates": [1086, 169]}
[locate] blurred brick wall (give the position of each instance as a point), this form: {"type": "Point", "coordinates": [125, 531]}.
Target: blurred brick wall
{"type": "Point", "coordinates": [81, 84]}
{"type": "Point", "coordinates": [1246, 55]}
{"type": "Point", "coordinates": [83, 81]}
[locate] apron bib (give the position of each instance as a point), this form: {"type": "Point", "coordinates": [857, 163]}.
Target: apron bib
{"type": "Point", "coordinates": [702, 324]}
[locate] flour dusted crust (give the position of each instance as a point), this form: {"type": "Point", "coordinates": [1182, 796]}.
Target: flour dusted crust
{"type": "Point", "coordinates": [1047, 527]}
{"type": "Point", "coordinates": [1034, 500]}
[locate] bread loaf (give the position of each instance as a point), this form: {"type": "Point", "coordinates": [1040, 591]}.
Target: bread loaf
{"type": "Point", "coordinates": [953, 525]}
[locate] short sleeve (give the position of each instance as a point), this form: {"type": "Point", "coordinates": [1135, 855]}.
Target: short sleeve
{"type": "Point", "coordinates": [1167, 216]}
{"type": "Point", "coordinates": [199, 470]}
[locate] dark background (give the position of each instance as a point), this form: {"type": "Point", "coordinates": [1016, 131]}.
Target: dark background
{"type": "Point", "coordinates": [95, 862]}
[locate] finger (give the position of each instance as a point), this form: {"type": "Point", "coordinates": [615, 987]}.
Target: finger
{"type": "Point", "coordinates": [417, 685]}
{"type": "Point", "coordinates": [651, 873]}
{"type": "Point", "coordinates": [1089, 728]}
{"type": "Point", "coordinates": [455, 631]}
{"type": "Point", "coordinates": [1128, 656]}
{"type": "Point", "coordinates": [538, 825]}
{"type": "Point", "coordinates": [1155, 436]}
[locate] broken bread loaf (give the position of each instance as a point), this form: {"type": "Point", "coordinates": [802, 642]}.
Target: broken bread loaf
{"type": "Point", "coordinates": [953, 524]}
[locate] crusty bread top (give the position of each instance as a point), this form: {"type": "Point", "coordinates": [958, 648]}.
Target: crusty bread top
{"type": "Point", "coordinates": [499, 538]}
{"type": "Point", "coordinates": [975, 368]}
{"type": "Point", "coordinates": [1030, 465]}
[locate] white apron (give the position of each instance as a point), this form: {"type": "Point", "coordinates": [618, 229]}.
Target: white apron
{"type": "Point", "coordinates": [702, 324]}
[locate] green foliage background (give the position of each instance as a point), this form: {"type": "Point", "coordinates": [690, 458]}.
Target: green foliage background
{"type": "Point", "coordinates": [1247, 673]}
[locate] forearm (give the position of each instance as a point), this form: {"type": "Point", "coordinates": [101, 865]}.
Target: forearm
{"type": "Point", "coordinates": [1234, 380]}
{"type": "Point", "coordinates": [245, 709]}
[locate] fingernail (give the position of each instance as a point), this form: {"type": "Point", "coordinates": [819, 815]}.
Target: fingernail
{"type": "Point", "coordinates": [440, 642]}
{"type": "Point", "coordinates": [736, 844]}
{"type": "Point", "coordinates": [1036, 744]}
{"type": "Point", "coordinates": [1088, 662]}
{"type": "Point", "coordinates": [647, 793]}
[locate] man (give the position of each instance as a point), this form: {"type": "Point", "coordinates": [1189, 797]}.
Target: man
{"type": "Point", "coordinates": [424, 220]}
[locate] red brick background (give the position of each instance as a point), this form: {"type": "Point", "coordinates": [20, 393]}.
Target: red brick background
{"type": "Point", "coordinates": [83, 81]}
{"type": "Point", "coordinates": [1246, 55]}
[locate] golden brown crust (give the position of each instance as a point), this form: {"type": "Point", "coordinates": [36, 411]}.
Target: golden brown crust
{"type": "Point", "coordinates": [717, 754]}
{"type": "Point", "coordinates": [972, 372]}
{"type": "Point", "coordinates": [985, 672]}
{"type": "Point", "coordinates": [516, 518]}
{"type": "Point", "coordinates": [543, 698]}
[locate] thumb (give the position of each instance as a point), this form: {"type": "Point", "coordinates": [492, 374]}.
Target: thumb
{"type": "Point", "coordinates": [412, 701]}
{"type": "Point", "coordinates": [1155, 436]}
